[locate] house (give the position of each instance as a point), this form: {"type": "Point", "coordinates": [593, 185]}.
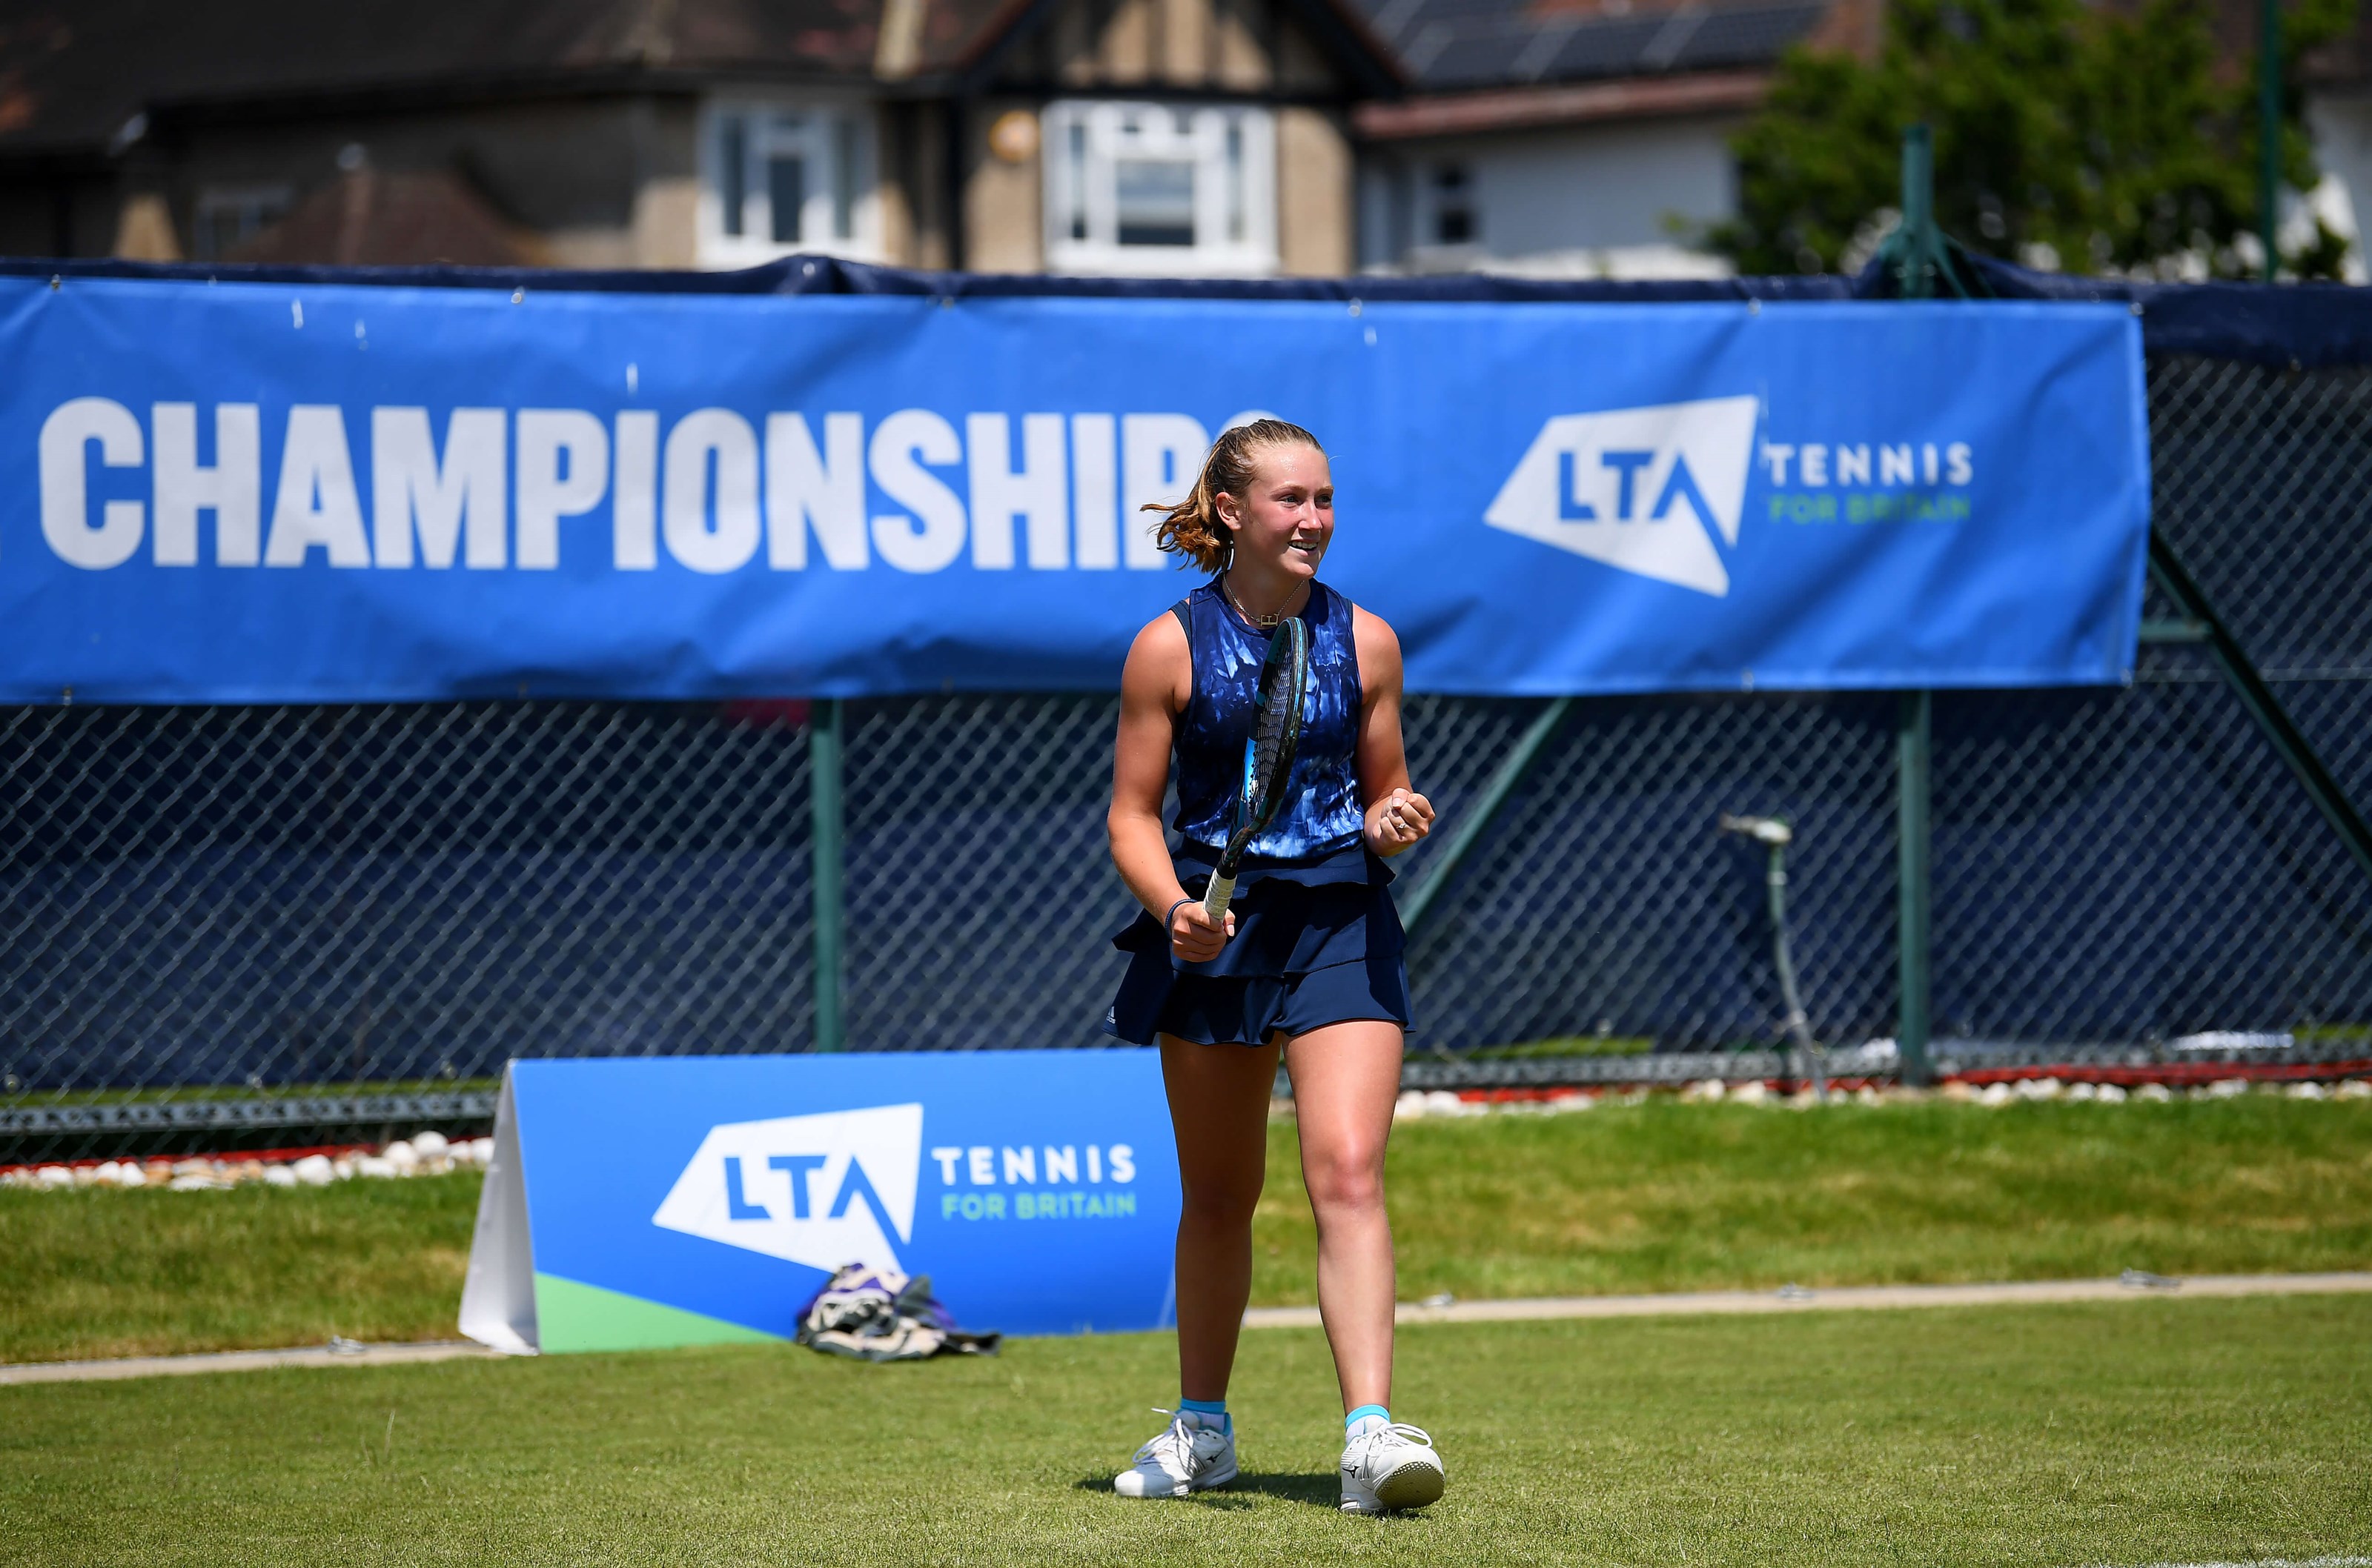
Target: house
{"type": "Point", "coordinates": [1105, 136]}
{"type": "Point", "coordinates": [1571, 138]}
{"type": "Point", "coordinates": [2338, 79]}
{"type": "Point", "coordinates": [1553, 138]}
{"type": "Point", "coordinates": [1590, 138]}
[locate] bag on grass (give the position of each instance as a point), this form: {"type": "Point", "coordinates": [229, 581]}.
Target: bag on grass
{"type": "Point", "coordinates": [880, 1315]}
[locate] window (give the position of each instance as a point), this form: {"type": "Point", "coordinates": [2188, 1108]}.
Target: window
{"type": "Point", "coordinates": [228, 216]}
{"type": "Point", "coordinates": [1148, 188]}
{"type": "Point", "coordinates": [779, 179]}
{"type": "Point", "coordinates": [1453, 206]}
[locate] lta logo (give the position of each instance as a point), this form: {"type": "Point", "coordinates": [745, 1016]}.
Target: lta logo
{"type": "Point", "coordinates": [822, 1191]}
{"type": "Point", "coordinates": [1643, 490]}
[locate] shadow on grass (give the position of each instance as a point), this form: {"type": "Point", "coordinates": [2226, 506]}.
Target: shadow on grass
{"type": "Point", "coordinates": [1316, 1490]}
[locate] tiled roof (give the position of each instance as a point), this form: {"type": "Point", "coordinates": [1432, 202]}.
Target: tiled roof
{"type": "Point", "coordinates": [394, 220]}
{"type": "Point", "coordinates": [73, 71]}
{"type": "Point", "coordinates": [1454, 45]}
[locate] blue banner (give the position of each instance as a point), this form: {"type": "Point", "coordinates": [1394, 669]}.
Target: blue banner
{"type": "Point", "coordinates": [697, 1200]}
{"type": "Point", "coordinates": [267, 493]}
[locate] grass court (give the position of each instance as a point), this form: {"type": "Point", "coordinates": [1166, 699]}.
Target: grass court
{"type": "Point", "coordinates": [2158, 1430]}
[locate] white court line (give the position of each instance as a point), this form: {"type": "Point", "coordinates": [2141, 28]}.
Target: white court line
{"type": "Point", "coordinates": [235, 1360]}
{"type": "Point", "coordinates": [1732, 1302]}
{"type": "Point", "coordinates": [1715, 1302]}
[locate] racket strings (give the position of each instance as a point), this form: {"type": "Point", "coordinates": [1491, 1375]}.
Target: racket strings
{"type": "Point", "coordinates": [1276, 736]}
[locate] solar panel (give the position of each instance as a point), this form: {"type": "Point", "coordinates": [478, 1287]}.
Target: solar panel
{"type": "Point", "coordinates": [1466, 44]}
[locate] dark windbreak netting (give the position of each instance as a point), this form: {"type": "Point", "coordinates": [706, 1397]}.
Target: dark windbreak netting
{"type": "Point", "coordinates": [200, 900]}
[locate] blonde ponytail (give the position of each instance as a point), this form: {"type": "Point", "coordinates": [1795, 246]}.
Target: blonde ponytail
{"type": "Point", "coordinates": [1192, 528]}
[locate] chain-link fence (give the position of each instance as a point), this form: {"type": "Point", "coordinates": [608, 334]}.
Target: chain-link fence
{"type": "Point", "coordinates": [200, 903]}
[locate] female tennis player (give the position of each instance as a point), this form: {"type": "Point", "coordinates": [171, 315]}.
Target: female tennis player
{"type": "Point", "coordinates": [1307, 960]}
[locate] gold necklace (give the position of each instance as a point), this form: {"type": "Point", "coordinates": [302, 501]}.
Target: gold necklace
{"type": "Point", "coordinates": [1266, 622]}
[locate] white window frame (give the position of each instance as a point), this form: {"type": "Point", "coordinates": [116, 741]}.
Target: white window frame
{"type": "Point", "coordinates": [1234, 198]}
{"type": "Point", "coordinates": [252, 209]}
{"type": "Point", "coordinates": [835, 144]}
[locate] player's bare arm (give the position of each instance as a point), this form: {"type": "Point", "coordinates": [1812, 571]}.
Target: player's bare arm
{"type": "Point", "coordinates": [1153, 686]}
{"type": "Point", "coordinates": [1397, 815]}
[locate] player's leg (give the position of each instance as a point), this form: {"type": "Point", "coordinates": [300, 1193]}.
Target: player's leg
{"type": "Point", "coordinates": [1218, 1112]}
{"type": "Point", "coordinates": [1345, 1078]}
{"type": "Point", "coordinates": [1218, 1108]}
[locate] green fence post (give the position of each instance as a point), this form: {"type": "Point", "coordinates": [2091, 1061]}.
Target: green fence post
{"type": "Point", "coordinates": [824, 799]}
{"type": "Point", "coordinates": [1914, 275]}
{"type": "Point", "coordinates": [2269, 133]}
{"type": "Point", "coordinates": [1913, 746]}
{"type": "Point", "coordinates": [1920, 258]}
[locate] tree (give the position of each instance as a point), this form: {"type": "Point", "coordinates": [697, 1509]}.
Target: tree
{"type": "Point", "coordinates": [2066, 137]}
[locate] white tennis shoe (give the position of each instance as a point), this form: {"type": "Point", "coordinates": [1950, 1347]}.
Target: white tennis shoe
{"type": "Point", "coordinates": [1389, 1466]}
{"type": "Point", "coordinates": [1188, 1456]}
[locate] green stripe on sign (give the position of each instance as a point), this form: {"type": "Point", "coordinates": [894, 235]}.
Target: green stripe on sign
{"type": "Point", "coordinates": [570, 1316]}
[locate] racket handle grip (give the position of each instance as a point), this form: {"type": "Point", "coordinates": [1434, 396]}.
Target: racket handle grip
{"type": "Point", "coordinates": [1221, 894]}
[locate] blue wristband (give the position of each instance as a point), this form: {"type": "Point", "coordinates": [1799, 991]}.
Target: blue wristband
{"type": "Point", "coordinates": [1173, 915]}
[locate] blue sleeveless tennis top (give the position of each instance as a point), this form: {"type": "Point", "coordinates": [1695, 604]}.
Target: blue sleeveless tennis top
{"type": "Point", "coordinates": [1322, 815]}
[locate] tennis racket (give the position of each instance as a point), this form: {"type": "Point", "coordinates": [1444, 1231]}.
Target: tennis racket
{"type": "Point", "coordinates": [1268, 755]}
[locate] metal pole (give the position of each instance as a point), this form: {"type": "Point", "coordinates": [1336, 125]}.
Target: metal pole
{"type": "Point", "coordinates": [1443, 864]}
{"type": "Point", "coordinates": [1921, 258]}
{"type": "Point", "coordinates": [2240, 672]}
{"type": "Point", "coordinates": [2269, 133]}
{"type": "Point", "coordinates": [829, 826]}
{"type": "Point", "coordinates": [956, 144]}
{"type": "Point", "coordinates": [1913, 747]}
{"type": "Point", "coordinates": [1915, 278]}
{"type": "Point", "coordinates": [1799, 1028]}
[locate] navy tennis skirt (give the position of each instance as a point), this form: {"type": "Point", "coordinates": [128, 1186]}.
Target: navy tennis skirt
{"type": "Point", "coordinates": [1316, 943]}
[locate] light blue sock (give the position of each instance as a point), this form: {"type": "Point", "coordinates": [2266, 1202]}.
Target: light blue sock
{"type": "Point", "coordinates": [1206, 1409]}
{"type": "Point", "coordinates": [1362, 1413]}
